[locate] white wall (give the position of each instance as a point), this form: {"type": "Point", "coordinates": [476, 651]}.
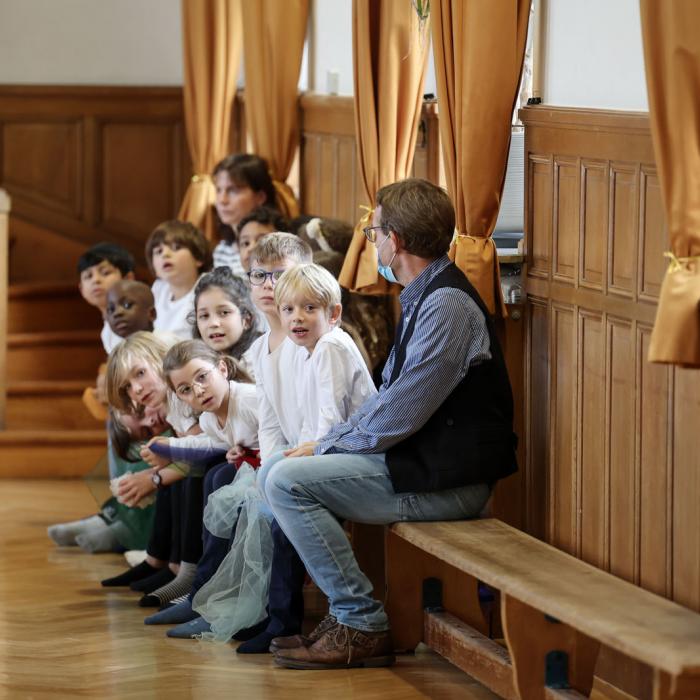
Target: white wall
{"type": "Point", "coordinates": [593, 55]}
{"type": "Point", "coordinates": [331, 35]}
{"type": "Point", "coordinates": [593, 49]}
{"type": "Point", "coordinates": [90, 42]}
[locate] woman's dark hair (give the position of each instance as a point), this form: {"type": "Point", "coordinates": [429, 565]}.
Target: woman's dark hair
{"type": "Point", "coordinates": [246, 170]}
{"type": "Point", "coordinates": [237, 291]}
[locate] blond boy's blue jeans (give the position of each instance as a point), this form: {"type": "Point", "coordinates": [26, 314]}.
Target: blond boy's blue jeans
{"type": "Point", "coordinates": [310, 495]}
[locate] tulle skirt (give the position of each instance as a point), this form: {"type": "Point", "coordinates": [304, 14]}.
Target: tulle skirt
{"type": "Point", "coordinates": [236, 596]}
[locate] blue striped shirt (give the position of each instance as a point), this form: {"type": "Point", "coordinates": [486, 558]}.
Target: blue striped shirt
{"type": "Point", "coordinates": [449, 336]}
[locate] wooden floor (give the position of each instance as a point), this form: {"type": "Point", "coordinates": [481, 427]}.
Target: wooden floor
{"type": "Point", "coordinates": [63, 636]}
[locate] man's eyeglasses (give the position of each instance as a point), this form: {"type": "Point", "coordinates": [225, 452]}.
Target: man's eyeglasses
{"type": "Point", "coordinates": [371, 232]}
{"type": "Point", "coordinates": [201, 380]}
{"type": "Point", "coordinates": [259, 277]}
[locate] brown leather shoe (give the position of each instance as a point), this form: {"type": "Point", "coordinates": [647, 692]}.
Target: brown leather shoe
{"type": "Point", "coordinates": [300, 640]}
{"type": "Point", "coordinates": [341, 647]}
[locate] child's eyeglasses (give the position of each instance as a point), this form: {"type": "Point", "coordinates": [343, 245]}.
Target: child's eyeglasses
{"type": "Point", "coordinates": [201, 380]}
{"type": "Point", "coordinates": [371, 232]}
{"type": "Point", "coordinates": [258, 277]}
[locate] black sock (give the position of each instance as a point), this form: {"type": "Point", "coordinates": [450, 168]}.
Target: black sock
{"type": "Point", "coordinates": [155, 580]}
{"type": "Point", "coordinates": [250, 632]}
{"type": "Point", "coordinates": [259, 644]}
{"type": "Point", "coordinates": [143, 570]}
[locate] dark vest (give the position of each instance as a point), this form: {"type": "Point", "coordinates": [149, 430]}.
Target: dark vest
{"type": "Point", "coordinates": [470, 438]}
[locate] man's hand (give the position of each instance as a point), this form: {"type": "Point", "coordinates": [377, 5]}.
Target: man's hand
{"type": "Point", "coordinates": [151, 458]}
{"type": "Point", "coordinates": [306, 449]}
{"type": "Point", "coordinates": [134, 487]}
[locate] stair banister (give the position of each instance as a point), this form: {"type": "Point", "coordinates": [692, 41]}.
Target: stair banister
{"type": "Point", "coordinates": [4, 265]}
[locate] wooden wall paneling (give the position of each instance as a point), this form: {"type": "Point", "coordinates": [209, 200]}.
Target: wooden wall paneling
{"type": "Point", "coordinates": [563, 481]}
{"type": "Point", "coordinates": [310, 158]}
{"type": "Point", "coordinates": [42, 162]}
{"type": "Point", "coordinates": [621, 432]}
{"type": "Point", "coordinates": [138, 189]}
{"type": "Point", "coordinates": [565, 234]}
{"type": "Point", "coordinates": [622, 242]}
{"type": "Point", "coordinates": [537, 419]}
{"type": "Point", "coordinates": [654, 458]}
{"type": "Point", "coordinates": [347, 194]}
{"type": "Point", "coordinates": [539, 218]}
{"type": "Point", "coordinates": [653, 236]}
{"type": "Point", "coordinates": [686, 487]}
{"type": "Point", "coordinates": [593, 469]}
{"type": "Point", "coordinates": [594, 218]}
{"type": "Point", "coordinates": [55, 142]}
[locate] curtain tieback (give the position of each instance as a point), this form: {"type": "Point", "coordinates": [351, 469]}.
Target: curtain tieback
{"type": "Point", "coordinates": [366, 218]}
{"type": "Point", "coordinates": [676, 263]}
{"type": "Point", "coordinates": [201, 177]}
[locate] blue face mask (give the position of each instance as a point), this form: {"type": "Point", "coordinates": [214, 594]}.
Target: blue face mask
{"type": "Point", "coordinates": [385, 270]}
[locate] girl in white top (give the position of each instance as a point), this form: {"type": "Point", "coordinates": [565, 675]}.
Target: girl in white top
{"type": "Point", "coordinates": [215, 386]}
{"type": "Point", "coordinates": [224, 316]}
{"type": "Point", "coordinates": [177, 253]}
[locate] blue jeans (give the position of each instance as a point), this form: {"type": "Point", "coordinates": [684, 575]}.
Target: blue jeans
{"type": "Point", "coordinates": [308, 496]}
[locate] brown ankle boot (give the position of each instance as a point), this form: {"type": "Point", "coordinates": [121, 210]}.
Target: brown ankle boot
{"type": "Point", "coordinates": [299, 640]}
{"type": "Point", "coordinates": [341, 647]}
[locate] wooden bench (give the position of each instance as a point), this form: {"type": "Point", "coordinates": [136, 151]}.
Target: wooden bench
{"type": "Point", "coordinates": [556, 611]}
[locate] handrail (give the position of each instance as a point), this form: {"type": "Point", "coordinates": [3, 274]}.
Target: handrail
{"type": "Point", "coordinates": [4, 267]}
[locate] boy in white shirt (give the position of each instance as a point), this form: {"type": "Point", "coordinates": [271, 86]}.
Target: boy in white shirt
{"type": "Point", "coordinates": [99, 267]}
{"type": "Point", "coordinates": [334, 380]}
{"type": "Point", "coordinates": [177, 253]}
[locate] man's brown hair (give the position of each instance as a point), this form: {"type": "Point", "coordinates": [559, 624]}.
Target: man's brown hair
{"type": "Point", "coordinates": [420, 213]}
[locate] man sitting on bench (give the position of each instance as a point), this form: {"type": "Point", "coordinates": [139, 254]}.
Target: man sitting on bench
{"type": "Point", "coordinates": [429, 446]}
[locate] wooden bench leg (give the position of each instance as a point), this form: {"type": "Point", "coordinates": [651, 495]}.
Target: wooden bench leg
{"type": "Point", "coordinates": [667, 687]}
{"type": "Point", "coordinates": [407, 567]}
{"type": "Point", "coordinates": [536, 644]}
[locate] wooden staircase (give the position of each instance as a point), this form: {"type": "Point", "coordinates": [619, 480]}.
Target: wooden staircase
{"type": "Point", "coordinates": [53, 352]}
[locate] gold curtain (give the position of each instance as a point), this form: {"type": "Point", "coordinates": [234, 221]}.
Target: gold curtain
{"type": "Point", "coordinates": [671, 36]}
{"type": "Point", "coordinates": [212, 42]}
{"type": "Point", "coordinates": [272, 50]}
{"type": "Point", "coordinates": [479, 48]}
{"type": "Point", "coordinates": [389, 59]}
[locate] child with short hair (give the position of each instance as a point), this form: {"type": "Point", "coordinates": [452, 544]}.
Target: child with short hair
{"type": "Point", "coordinates": [99, 267]}
{"type": "Point", "coordinates": [177, 253]}
{"type": "Point", "coordinates": [274, 355]}
{"type": "Point", "coordinates": [242, 182]}
{"type": "Point", "coordinates": [335, 380]}
{"type": "Point", "coordinates": [254, 226]}
{"type": "Point", "coordinates": [130, 308]}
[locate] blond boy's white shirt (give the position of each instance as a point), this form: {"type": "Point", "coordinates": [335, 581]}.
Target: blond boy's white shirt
{"type": "Point", "coordinates": [240, 428]}
{"type": "Point", "coordinates": [172, 316]}
{"type": "Point", "coordinates": [333, 383]}
{"type": "Point", "coordinates": [278, 411]}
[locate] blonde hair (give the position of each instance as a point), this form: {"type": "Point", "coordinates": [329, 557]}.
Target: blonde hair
{"type": "Point", "coordinates": [275, 247]}
{"type": "Point", "coordinates": [142, 346]}
{"type": "Point", "coordinates": [187, 350]}
{"type": "Point", "coordinates": [309, 281]}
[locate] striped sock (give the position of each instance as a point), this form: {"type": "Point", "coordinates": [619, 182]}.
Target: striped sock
{"type": "Point", "coordinates": [179, 586]}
